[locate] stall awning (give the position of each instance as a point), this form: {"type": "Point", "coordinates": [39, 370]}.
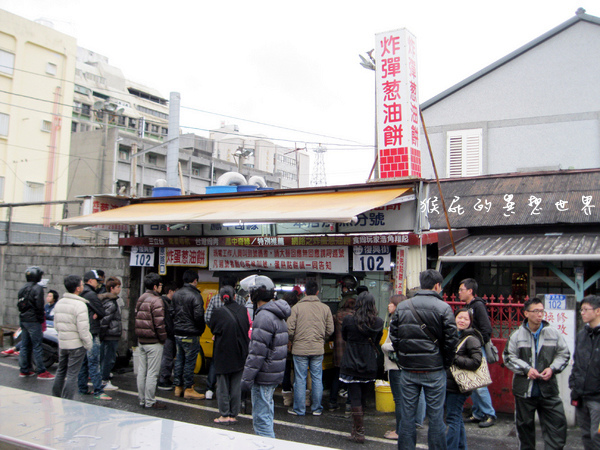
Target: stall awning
{"type": "Point", "coordinates": [526, 247]}
{"type": "Point", "coordinates": [337, 207]}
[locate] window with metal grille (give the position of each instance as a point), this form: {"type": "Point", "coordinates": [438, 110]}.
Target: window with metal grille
{"type": "Point", "coordinates": [4, 120]}
{"type": "Point", "coordinates": [7, 62]}
{"type": "Point", "coordinates": [46, 126]}
{"type": "Point", "coordinates": [464, 153]}
{"type": "Point", "coordinates": [34, 192]}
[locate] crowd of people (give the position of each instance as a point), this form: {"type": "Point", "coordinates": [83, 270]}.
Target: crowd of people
{"type": "Point", "coordinates": [261, 341]}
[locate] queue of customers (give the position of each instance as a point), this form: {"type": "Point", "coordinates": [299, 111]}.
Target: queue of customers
{"type": "Point", "coordinates": [253, 339]}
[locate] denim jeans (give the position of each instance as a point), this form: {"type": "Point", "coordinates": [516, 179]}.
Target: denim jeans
{"type": "Point", "coordinates": [394, 377]}
{"type": "Point", "coordinates": [188, 348]}
{"type": "Point", "coordinates": [69, 365]}
{"type": "Point", "coordinates": [31, 344]}
{"type": "Point", "coordinates": [168, 361]}
{"type": "Point", "coordinates": [108, 356]}
{"type": "Point", "coordinates": [587, 415]}
{"type": "Point", "coordinates": [263, 409]}
{"type": "Point", "coordinates": [147, 376]}
{"type": "Point", "coordinates": [456, 436]}
{"type": "Point", "coordinates": [482, 401]}
{"type": "Point", "coordinates": [302, 364]}
{"type": "Point", "coordinates": [434, 385]}
{"type": "Point", "coordinates": [91, 368]}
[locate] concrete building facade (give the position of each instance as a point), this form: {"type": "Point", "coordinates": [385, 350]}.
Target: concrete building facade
{"type": "Point", "coordinates": [37, 67]}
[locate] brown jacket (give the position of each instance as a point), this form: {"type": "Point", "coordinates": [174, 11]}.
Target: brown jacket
{"type": "Point", "coordinates": [339, 345]}
{"type": "Point", "coordinates": [310, 326]}
{"type": "Point", "coordinates": [150, 319]}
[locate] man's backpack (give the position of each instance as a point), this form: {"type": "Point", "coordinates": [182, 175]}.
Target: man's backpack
{"type": "Point", "coordinates": [23, 304]}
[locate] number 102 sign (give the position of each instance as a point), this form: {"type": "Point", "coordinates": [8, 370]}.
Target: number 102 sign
{"type": "Point", "coordinates": [142, 256]}
{"type": "Point", "coordinates": [371, 258]}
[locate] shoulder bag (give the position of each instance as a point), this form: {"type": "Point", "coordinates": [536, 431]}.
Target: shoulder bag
{"type": "Point", "coordinates": [491, 352]}
{"type": "Point", "coordinates": [469, 380]}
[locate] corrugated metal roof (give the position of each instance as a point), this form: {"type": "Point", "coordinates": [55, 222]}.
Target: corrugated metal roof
{"type": "Point", "coordinates": [551, 187]}
{"type": "Point", "coordinates": [526, 247]}
{"type": "Point", "coordinates": [544, 37]}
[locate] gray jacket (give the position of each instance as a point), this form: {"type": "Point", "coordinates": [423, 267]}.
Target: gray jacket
{"type": "Point", "coordinates": [519, 356]}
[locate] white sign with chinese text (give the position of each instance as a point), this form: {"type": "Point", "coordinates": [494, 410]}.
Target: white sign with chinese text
{"type": "Point", "coordinates": [96, 204]}
{"type": "Point", "coordinates": [400, 269]}
{"type": "Point", "coordinates": [398, 120]}
{"type": "Point", "coordinates": [396, 217]}
{"type": "Point", "coordinates": [564, 321]}
{"type": "Point", "coordinates": [555, 301]}
{"type": "Point", "coordinates": [310, 259]}
{"type": "Point", "coordinates": [371, 258]}
{"type": "Point", "coordinates": [141, 257]}
{"type": "Point", "coordinates": [187, 256]}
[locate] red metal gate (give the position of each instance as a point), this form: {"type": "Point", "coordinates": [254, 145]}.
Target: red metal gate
{"type": "Point", "coordinates": [505, 317]}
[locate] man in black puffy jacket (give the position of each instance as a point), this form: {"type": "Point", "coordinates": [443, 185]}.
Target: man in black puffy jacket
{"type": "Point", "coordinates": [31, 316]}
{"type": "Point", "coordinates": [424, 357]}
{"type": "Point", "coordinates": [265, 364]}
{"type": "Point", "coordinates": [585, 377]}
{"type": "Point", "coordinates": [188, 324]}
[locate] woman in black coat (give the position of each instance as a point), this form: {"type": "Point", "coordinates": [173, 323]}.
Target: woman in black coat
{"type": "Point", "coordinates": [467, 357]}
{"type": "Point", "coordinates": [229, 325]}
{"type": "Point", "coordinates": [362, 332]}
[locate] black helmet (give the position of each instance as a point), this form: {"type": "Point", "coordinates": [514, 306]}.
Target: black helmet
{"type": "Point", "coordinates": [34, 274]}
{"type": "Point", "coordinates": [349, 282]}
{"type": "Point", "coordinates": [261, 288]}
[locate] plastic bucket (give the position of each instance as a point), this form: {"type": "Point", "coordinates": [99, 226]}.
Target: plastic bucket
{"type": "Point", "coordinates": [384, 400]}
{"type": "Point", "coordinates": [165, 191]}
{"type": "Point", "coordinates": [220, 189]}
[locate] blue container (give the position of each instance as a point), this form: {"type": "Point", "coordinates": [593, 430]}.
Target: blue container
{"type": "Point", "coordinates": [165, 191]}
{"type": "Point", "coordinates": [220, 189]}
{"type": "Point", "coordinates": [247, 188]}
{"type": "Point", "coordinates": [265, 188]}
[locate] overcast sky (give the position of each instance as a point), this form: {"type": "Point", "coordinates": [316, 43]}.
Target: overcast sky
{"type": "Point", "coordinates": [294, 64]}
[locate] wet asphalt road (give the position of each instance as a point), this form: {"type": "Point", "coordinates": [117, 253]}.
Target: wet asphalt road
{"type": "Point", "coordinates": [329, 430]}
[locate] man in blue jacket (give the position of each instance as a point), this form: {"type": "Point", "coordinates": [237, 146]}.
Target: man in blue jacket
{"type": "Point", "coordinates": [265, 364]}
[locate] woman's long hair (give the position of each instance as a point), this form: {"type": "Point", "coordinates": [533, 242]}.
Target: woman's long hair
{"type": "Point", "coordinates": [365, 311]}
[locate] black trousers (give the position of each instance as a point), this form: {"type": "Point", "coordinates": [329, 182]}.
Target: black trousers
{"type": "Point", "coordinates": [552, 420]}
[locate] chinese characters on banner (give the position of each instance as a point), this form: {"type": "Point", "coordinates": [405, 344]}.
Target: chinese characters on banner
{"type": "Point", "coordinates": [187, 256]}
{"type": "Point", "coordinates": [398, 120]}
{"type": "Point", "coordinates": [98, 204]}
{"type": "Point", "coordinates": [401, 254]}
{"type": "Point", "coordinates": [323, 259]}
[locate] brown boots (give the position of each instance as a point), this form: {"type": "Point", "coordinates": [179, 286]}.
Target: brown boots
{"type": "Point", "coordinates": [188, 393]}
{"type": "Point", "coordinates": [358, 426]}
{"type": "Point", "coordinates": [192, 394]}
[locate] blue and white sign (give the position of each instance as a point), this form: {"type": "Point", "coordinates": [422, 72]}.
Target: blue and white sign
{"type": "Point", "coordinates": [555, 301]}
{"type": "Point", "coordinates": [371, 258]}
{"type": "Point", "coordinates": [142, 256]}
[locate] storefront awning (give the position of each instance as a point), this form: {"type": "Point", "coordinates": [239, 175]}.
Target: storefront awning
{"type": "Point", "coordinates": [330, 207]}
{"type": "Point", "coordinates": [526, 247]}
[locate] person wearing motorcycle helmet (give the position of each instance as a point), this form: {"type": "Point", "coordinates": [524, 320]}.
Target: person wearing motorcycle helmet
{"type": "Point", "coordinates": [265, 363]}
{"type": "Point", "coordinates": [31, 316]}
{"type": "Point", "coordinates": [348, 284]}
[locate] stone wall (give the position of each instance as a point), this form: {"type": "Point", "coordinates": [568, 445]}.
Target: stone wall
{"type": "Point", "coordinates": [57, 262]}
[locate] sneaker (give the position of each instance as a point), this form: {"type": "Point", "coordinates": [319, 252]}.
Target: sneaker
{"type": "Point", "coordinates": [26, 374]}
{"type": "Point", "coordinates": [45, 376]}
{"type": "Point", "coordinates": [165, 386]}
{"type": "Point", "coordinates": [209, 394]}
{"type": "Point", "coordinates": [333, 406]}
{"type": "Point", "coordinates": [472, 419]}
{"type": "Point", "coordinates": [489, 421]}
{"type": "Point", "coordinates": [343, 393]}
{"type": "Point", "coordinates": [102, 397]}
{"type": "Point", "coordinates": [318, 412]}
{"type": "Point", "coordinates": [292, 412]}
{"type": "Point", "coordinates": [157, 405]}
{"type": "Point", "coordinates": [109, 386]}
{"type": "Point", "coordinates": [8, 352]}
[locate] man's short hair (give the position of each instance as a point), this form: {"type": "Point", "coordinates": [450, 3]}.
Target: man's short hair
{"type": "Point", "coordinates": [311, 288]}
{"type": "Point", "coordinates": [397, 298]}
{"type": "Point", "coordinates": [151, 280]}
{"type": "Point", "coordinates": [112, 283]}
{"type": "Point", "coordinates": [592, 300]}
{"type": "Point", "coordinates": [189, 276]}
{"type": "Point", "coordinates": [429, 278]}
{"type": "Point", "coordinates": [470, 283]}
{"type": "Point", "coordinates": [169, 287]}
{"type": "Point", "coordinates": [100, 272]}
{"type": "Point", "coordinates": [90, 275]}
{"type": "Point", "coordinates": [72, 282]}
{"type": "Point", "coordinates": [228, 280]}
{"type": "Point", "coordinates": [532, 301]}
